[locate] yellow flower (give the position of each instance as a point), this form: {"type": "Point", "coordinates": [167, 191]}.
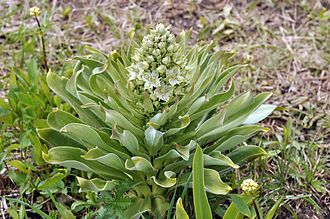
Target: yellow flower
{"type": "Point", "coordinates": [249, 185]}
{"type": "Point", "coordinates": [35, 11]}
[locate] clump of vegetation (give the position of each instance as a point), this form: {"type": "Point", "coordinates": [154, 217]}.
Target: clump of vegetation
{"type": "Point", "coordinates": [183, 108]}
{"type": "Point", "coordinates": [289, 46]}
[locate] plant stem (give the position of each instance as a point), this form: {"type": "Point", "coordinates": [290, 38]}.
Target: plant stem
{"type": "Point", "coordinates": [257, 211]}
{"type": "Point", "coordinates": [43, 45]}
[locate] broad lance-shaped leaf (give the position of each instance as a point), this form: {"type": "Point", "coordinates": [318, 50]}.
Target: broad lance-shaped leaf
{"type": "Point", "coordinates": [235, 209]}
{"type": "Point", "coordinates": [212, 123]}
{"type": "Point", "coordinates": [214, 184]}
{"type": "Point", "coordinates": [71, 85]}
{"type": "Point", "coordinates": [182, 152]}
{"type": "Point", "coordinates": [218, 159]}
{"type": "Point", "coordinates": [161, 118]}
{"type": "Point", "coordinates": [272, 212]}
{"type": "Point", "coordinates": [259, 114]}
{"type": "Point", "coordinates": [108, 159]}
{"type": "Point", "coordinates": [127, 139]}
{"type": "Point", "coordinates": [241, 204]}
{"type": "Point", "coordinates": [234, 137]}
{"type": "Point", "coordinates": [49, 182]}
{"type": "Point", "coordinates": [185, 150]}
{"type": "Point", "coordinates": [90, 138]}
{"type": "Point", "coordinates": [58, 85]}
{"type": "Point", "coordinates": [166, 181]}
{"type": "Point", "coordinates": [234, 120]}
{"type": "Point", "coordinates": [238, 103]}
{"type": "Point", "coordinates": [72, 157]}
{"type": "Point", "coordinates": [58, 119]}
{"type": "Point", "coordinates": [214, 102]}
{"type": "Point", "coordinates": [95, 185]}
{"type": "Point", "coordinates": [201, 204]}
{"type": "Point", "coordinates": [84, 134]}
{"type": "Point", "coordinates": [114, 117]}
{"type": "Point", "coordinates": [223, 78]}
{"type": "Point", "coordinates": [180, 213]}
{"type": "Point", "coordinates": [138, 208]}
{"type": "Point", "coordinates": [248, 152]}
{"type": "Point", "coordinates": [185, 121]}
{"type": "Point", "coordinates": [56, 138]}
{"type": "Point", "coordinates": [154, 140]}
{"type": "Point", "coordinates": [140, 164]}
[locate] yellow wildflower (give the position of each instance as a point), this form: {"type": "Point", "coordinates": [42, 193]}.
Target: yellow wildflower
{"type": "Point", "coordinates": [35, 11]}
{"type": "Point", "coordinates": [249, 185]}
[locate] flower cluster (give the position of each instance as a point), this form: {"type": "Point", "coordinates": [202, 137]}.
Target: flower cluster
{"type": "Point", "coordinates": [249, 185]}
{"type": "Point", "coordinates": [35, 11]}
{"type": "Point", "coordinates": [159, 66]}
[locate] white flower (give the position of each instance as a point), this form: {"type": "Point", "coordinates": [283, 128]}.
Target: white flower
{"type": "Point", "coordinates": [35, 11]}
{"type": "Point", "coordinates": [163, 92]}
{"type": "Point", "coordinates": [174, 77]}
{"type": "Point", "coordinates": [135, 72]}
{"type": "Point", "coordinates": [249, 185]}
{"type": "Point", "coordinates": [151, 80]}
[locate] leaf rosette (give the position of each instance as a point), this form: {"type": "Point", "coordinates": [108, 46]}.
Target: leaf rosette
{"type": "Point", "coordinates": [141, 114]}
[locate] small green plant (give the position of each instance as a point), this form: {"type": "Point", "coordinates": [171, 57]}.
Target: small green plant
{"type": "Point", "coordinates": [298, 172]}
{"type": "Point", "coordinates": [247, 204]}
{"type": "Point", "coordinates": [25, 107]}
{"type": "Point", "coordinates": [142, 114]}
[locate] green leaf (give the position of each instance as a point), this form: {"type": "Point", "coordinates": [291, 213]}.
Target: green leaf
{"type": "Point", "coordinates": [218, 159]}
{"type": "Point", "coordinates": [241, 205]}
{"type": "Point", "coordinates": [184, 122]}
{"type": "Point", "coordinates": [214, 102]}
{"type": "Point", "coordinates": [167, 181]}
{"type": "Point", "coordinates": [34, 209]}
{"type": "Point", "coordinates": [95, 185]}
{"type": "Point", "coordinates": [84, 134]}
{"type": "Point", "coordinates": [212, 123]}
{"type": "Point", "coordinates": [233, 213]}
{"type": "Point", "coordinates": [140, 164]}
{"type": "Point", "coordinates": [238, 103]}
{"type": "Point", "coordinates": [63, 210]}
{"type": "Point", "coordinates": [58, 85]}
{"type": "Point", "coordinates": [234, 137]}
{"type": "Point", "coordinates": [109, 159]}
{"type": "Point", "coordinates": [214, 184]}
{"type": "Point", "coordinates": [201, 204]}
{"type": "Point", "coordinates": [49, 182]}
{"type": "Point", "coordinates": [113, 117]}
{"type": "Point", "coordinates": [72, 157]}
{"type": "Point", "coordinates": [180, 213]}
{"type": "Point", "coordinates": [58, 119]}
{"type": "Point", "coordinates": [224, 77]}
{"type": "Point", "coordinates": [271, 213]}
{"type": "Point", "coordinates": [138, 208]}
{"type": "Point", "coordinates": [259, 114]}
{"type": "Point", "coordinates": [247, 152]}
{"type": "Point", "coordinates": [56, 138]}
{"type": "Point", "coordinates": [127, 139]}
{"type": "Point", "coordinates": [154, 140]}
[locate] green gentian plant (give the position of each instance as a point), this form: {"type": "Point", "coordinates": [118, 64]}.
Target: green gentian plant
{"type": "Point", "coordinates": [141, 114]}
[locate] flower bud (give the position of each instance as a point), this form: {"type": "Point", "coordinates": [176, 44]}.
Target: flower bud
{"type": "Point", "coordinates": [161, 45]}
{"type": "Point", "coordinates": [170, 48]}
{"type": "Point", "coordinates": [150, 59]}
{"type": "Point", "coordinates": [156, 52]}
{"type": "Point", "coordinates": [161, 69]}
{"type": "Point", "coordinates": [166, 60]}
{"type": "Point", "coordinates": [144, 65]}
{"type": "Point", "coordinates": [35, 11]}
{"type": "Point", "coordinates": [249, 185]}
